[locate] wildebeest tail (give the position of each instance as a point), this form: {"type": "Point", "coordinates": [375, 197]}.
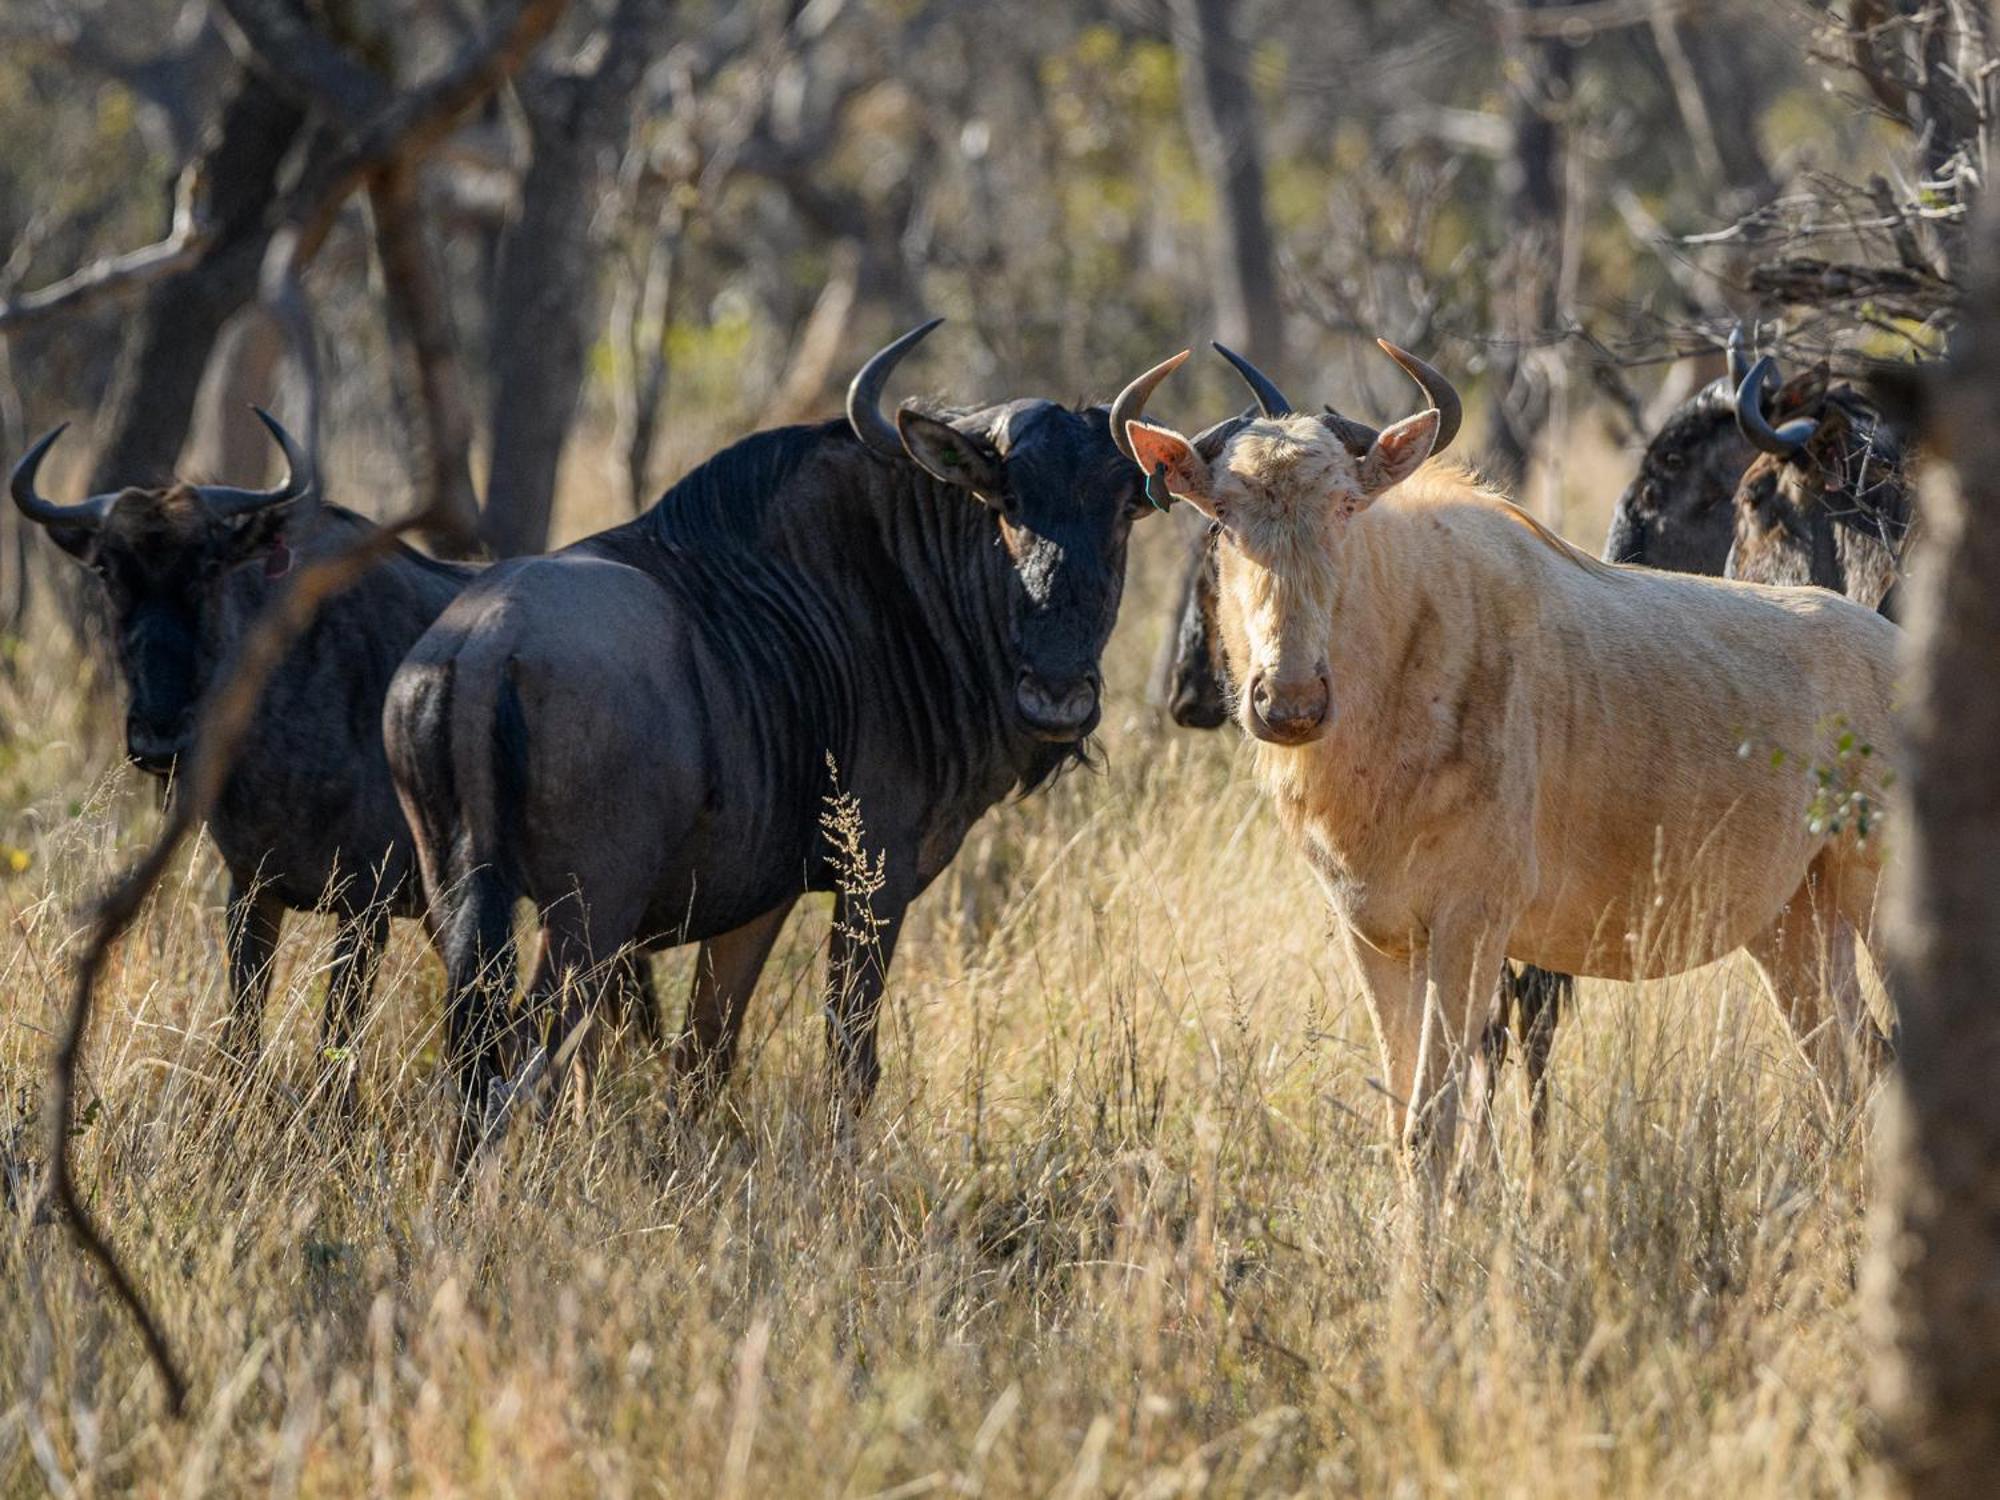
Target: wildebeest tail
{"type": "Point", "coordinates": [489, 746]}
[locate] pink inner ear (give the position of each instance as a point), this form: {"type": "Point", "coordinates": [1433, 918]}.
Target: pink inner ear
{"type": "Point", "coordinates": [1165, 450]}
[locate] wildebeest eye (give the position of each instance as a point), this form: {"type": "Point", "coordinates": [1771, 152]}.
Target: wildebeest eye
{"type": "Point", "coordinates": [1673, 463]}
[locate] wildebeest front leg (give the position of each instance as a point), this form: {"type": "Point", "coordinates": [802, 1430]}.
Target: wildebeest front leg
{"type": "Point", "coordinates": [857, 965]}
{"type": "Point", "coordinates": [725, 974]}
{"type": "Point", "coordinates": [634, 995]}
{"type": "Point", "coordinates": [251, 922]}
{"type": "Point", "coordinates": [1464, 961]}
{"type": "Point", "coordinates": [357, 950]}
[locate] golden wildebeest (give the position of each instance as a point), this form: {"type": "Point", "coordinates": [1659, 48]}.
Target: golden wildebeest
{"type": "Point", "coordinates": [1491, 745]}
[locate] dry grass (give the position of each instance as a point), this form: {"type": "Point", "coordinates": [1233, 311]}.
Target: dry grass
{"type": "Point", "coordinates": [1120, 1222]}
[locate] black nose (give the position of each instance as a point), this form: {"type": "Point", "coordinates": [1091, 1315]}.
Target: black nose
{"type": "Point", "coordinates": [1197, 707]}
{"type": "Point", "coordinates": [1057, 711]}
{"type": "Point", "coordinates": [155, 750]}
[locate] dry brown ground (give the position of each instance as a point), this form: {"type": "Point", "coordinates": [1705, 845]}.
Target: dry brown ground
{"type": "Point", "coordinates": [1119, 1224]}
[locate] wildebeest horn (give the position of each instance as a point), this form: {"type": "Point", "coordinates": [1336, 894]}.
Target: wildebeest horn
{"type": "Point", "coordinates": [864, 393]}
{"type": "Point", "coordinates": [1439, 391]}
{"type": "Point", "coordinates": [1751, 421]}
{"type": "Point", "coordinates": [1131, 403]}
{"type": "Point", "coordinates": [1356, 437]}
{"type": "Point", "coordinates": [227, 500]}
{"type": "Point", "coordinates": [1269, 397]}
{"type": "Point", "coordinates": [88, 516]}
{"type": "Point", "coordinates": [1739, 356]}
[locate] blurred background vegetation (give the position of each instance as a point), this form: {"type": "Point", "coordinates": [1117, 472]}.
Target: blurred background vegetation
{"type": "Point", "coordinates": [678, 221]}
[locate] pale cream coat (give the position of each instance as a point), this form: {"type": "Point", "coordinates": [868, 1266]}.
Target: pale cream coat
{"type": "Point", "coordinates": [1525, 752]}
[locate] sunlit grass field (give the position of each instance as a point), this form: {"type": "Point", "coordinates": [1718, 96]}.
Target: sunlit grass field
{"type": "Point", "coordinates": [1120, 1222]}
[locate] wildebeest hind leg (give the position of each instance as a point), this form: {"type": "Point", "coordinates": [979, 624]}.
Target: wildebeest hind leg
{"type": "Point", "coordinates": [725, 974]}
{"type": "Point", "coordinates": [1807, 958]}
{"type": "Point", "coordinates": [580, 963]}
{"type": "Point", "coordinates": [475, 921]}
{"type": "Point", "coordinates": [357, 950]}
{"type": "Point", "coordinates": [251, 922]}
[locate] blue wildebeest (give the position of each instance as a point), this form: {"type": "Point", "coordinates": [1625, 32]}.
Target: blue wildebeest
{"type": "Point", "coordinates": [1675, 513]}
{"type": "Point", "coordinates": [1827, 498]}
{"type": "Point", "coordinates": [307, 820]}
{"type": "Point", "coordinates": [639, 734]}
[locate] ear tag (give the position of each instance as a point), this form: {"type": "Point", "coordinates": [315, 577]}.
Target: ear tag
{"type": "Point", "coordinates": [1156, 488]}
{"type": "Point", "coordinates": [278, 561]}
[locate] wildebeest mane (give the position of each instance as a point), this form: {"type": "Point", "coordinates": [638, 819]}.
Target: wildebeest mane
{"type": "Point", "coordinates": [722, 499]}
{"type": "Point", "coordinates": [724, 503]}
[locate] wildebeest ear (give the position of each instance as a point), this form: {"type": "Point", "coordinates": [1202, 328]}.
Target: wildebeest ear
{"type": "Point", "coordinates": [1187, 475]}
{"type": "Point", "coordinates": [1803, 392]}
{"type": "Point", "coordinates": [1398, 452]}
{"type": "Point", "coordinates": [78, 541]}
{"type": "Point", "coordinates": [959, 458]}
{"type": "Point", "coordinates": [260, 533]}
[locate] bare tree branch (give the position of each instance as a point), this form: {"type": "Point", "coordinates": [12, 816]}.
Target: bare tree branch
{"type": "Point", "coordinates": [117, 276]}
{"type": "Point", "coordinates": [419, 322]}
{"type": "Point", "coordinates": [397, 134]}
{"type": "Point", "coordinates": [279, 39]}
{"type": "Point", "coordinates": [223, 723]}
{"type": "Point", "coordinates": [413, 122]}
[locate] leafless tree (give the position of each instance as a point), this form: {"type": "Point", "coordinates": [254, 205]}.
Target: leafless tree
{"type": "Point", "coordinates": [1535, 174]}
{"type": "Point", "coordinates": [1221, 112]}
{"type": "Point", "coordinates": [1935, 1278]}
{"type": "Point", "coordinates": [578, 115]}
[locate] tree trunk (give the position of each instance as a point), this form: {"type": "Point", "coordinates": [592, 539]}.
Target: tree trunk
{"type": "Point", "coordinates": [1717, 92]}
{"type": "Point", "coordinates": [1530, 234]}
{"type": "Point", "coordinates": [151, 400]}
{"type": "Point", "coordinates": [545, 291]}
{"type": "Point", "coordinates": [418, 322]}
{"type": "Point", "coordinates": [228, 445]}
{"type": "Point", "coordinates": [1221, 113]}
{"type": "Point", "coordinates": [1935, 1276]}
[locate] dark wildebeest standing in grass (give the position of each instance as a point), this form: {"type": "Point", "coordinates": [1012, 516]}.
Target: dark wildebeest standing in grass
{"type": "Point", "coordinates": [1826, 499]}
{"type": "Point", "coordinates": [1674, 515]}
{"type": "Point", "coordinates": [307, 820]}
{"type": "Point", "coordinates": [640, 733]}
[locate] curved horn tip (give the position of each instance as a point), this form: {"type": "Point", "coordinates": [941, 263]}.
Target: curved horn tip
{"type": "Point", "coordinates": [1273, 401]}
{"type": "Point", "coordinates": [1737, 353]}
{"type": "Point", "coordinates": [1130, 404]}
{"type": "Point", "coordinates": [21, 482]}
{"type": "Point", "coordinates": [1783, 442]}
{"type": "Point", "coordinates": [1439, 391]}
{"type": "Point", "coordinates": [864, 392]}
{"type": "Point", "coordinates": [21, 488]}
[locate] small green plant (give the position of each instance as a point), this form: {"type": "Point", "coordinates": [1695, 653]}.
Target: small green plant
{"type": "Point", "coordinates": [1849, 792]}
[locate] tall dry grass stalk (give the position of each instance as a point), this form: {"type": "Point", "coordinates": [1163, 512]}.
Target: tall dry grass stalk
{"type": "Point", "coordinates": [1120, 1221]}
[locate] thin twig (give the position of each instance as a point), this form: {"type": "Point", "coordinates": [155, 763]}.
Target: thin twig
{"type": "Point", "coordinates": [223, 722]}
{"type": "Point", "coordinates": [401, 131]}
